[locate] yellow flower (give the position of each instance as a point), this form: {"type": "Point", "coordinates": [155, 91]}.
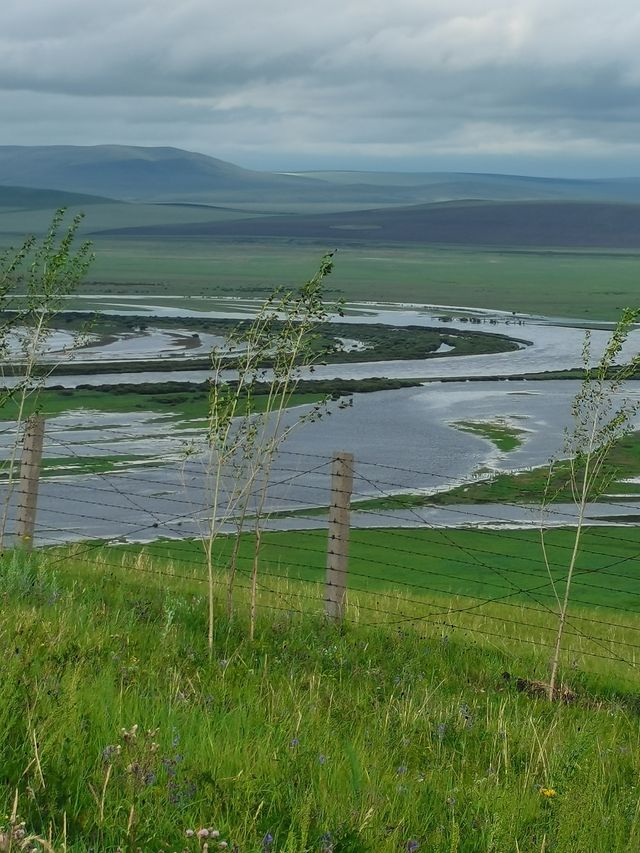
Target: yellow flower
{"type": "Point", "coordinates": [548, 792]}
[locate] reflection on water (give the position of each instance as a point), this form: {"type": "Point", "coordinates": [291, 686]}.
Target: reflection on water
{"type": "Point", "coordinates": [403, 441]}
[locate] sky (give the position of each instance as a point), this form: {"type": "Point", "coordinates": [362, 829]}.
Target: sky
{"type": "Point", "coordinates": [544, 87]}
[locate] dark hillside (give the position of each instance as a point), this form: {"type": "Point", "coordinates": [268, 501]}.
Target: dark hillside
{"type": "Point", "coordinates": [526, 224]}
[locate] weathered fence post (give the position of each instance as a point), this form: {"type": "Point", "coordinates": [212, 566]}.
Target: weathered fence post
{"type": "Point", "coordinates": [27, 492]}
{"type": "Point", "coordinates": [338, 544]}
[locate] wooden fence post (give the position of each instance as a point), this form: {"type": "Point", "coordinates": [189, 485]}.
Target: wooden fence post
{"type": "Point", "coordinates": [27, 491]}
{"type": "Point", "coordinates": [338, 544]}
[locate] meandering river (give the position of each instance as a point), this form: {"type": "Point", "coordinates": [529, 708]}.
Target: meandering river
{"type": "Point", "coordinates": [403, 440]}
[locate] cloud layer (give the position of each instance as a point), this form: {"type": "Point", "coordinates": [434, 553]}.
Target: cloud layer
{"type": "Point", "coordinates": [409, 84]}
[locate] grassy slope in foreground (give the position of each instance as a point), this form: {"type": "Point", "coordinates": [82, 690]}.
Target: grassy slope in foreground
{"type": "Point", "coordinates": [479, 564]}
{"type": "Point", "coordinates": [370, 739]}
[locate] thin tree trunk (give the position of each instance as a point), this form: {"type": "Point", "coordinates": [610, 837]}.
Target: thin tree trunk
{"type": "Point", "coordinates": [233, 567]}
{"type": "Point", "coordinates": [565, 604]}
{"type": "Point", "coordinates": [254, 584]}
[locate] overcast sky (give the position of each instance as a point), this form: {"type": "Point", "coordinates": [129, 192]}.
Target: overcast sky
{"type": "Point", "coordinates": [537, 86]}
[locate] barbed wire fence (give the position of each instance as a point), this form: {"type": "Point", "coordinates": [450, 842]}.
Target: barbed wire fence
{"type": "Point", "coordinates": [341, 539]}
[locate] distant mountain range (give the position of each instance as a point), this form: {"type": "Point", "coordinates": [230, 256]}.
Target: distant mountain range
{"type": "Point", "coordinates": [133, 173]}
{"type": "Point", "coordinates": [167, 192]}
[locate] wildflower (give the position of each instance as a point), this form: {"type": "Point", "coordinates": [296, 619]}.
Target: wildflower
{"type": "Point", "coordinates": [214, 833]}
{"type": "Point", "coordinates": [412, 845]}
{"type": "Point", "coordinates": [549, 793]}
{"type": "Point", "coordinates": [267, 841]}
{"type": "Point", "coordinates": [203, 833]}
{"type": "Point", "coordinates": [401, 770]}
{"type": "Point", "coordinates": [110, 752]}
{"type": "Point", "coordinates": [327, 843]}
{"type": "Point", "coordinates": [130, 735]}
{"type": "Point", "coordinates": [466, 715]}
{"type": "Point", "coordinates": [322, 759]}
{"type": "Point", "coordinates": [189, 833]}
{"type": "Point", "coordinates": [294, 742]}
{"type": "Point", "coordinates": [451, 801]}
{"type": "Point", "coordinates": [442, 730]}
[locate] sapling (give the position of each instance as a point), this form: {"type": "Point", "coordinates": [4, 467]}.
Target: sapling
{"type": "Point", "coordinates": [600, 418]}
{"type": "Point", "coordinates": [35, 279]}
{"type": "Point", "coordinates": [254, 377]}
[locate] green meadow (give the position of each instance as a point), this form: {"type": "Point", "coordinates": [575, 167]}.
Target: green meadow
{"type": "Point", "coordinates": [185, 404]}
{"type": "Point", "coordinates": [120, 731]}
{"type": "Point", "coordinates": [583, 284]}
{"type": "Point", "coordinates": [479, 564]}
{"type": "Point", "coordinates": [589, 285]}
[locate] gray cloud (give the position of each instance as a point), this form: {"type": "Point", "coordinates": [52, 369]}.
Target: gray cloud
{"type": "Point", "coordinates": [408, 84]}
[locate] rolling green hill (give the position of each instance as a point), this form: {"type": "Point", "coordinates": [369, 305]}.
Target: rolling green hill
{"type": "Point", "coordinates": [29, 198]}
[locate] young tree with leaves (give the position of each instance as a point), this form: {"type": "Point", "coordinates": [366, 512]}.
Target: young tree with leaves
{"type": "Point", "coordinates": [600, 418]}
{"type": "Point", "coordinates": [35, 279]}
{"type": "Point", "coordinates": [254, 377]}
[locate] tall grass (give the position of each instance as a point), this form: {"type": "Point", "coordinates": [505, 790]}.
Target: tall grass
{"type": "Point", "coordinates": [365, 738]}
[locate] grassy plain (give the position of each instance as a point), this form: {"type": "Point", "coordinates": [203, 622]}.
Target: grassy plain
{"type": "Point", "coordinates": [119, 731]}
{"type": "Point", "coordinates": [479, 564]}
{"type": "Point", "coordinates": [180, 405]}
{"type": "Point", "coordinates": [589, 285]}
{"type": "Point", "coordinates": [583, 284]}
